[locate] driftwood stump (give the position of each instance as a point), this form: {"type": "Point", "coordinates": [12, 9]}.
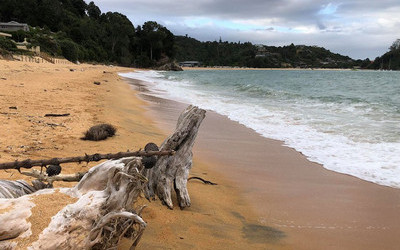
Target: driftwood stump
{"type": "Point", "coordinates": [173, 171]}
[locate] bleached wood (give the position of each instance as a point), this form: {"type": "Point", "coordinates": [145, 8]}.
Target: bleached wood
{"type": "Point", "coordinates": [103, 215]}
{"type": "Point", "coordinates": [173, 171]}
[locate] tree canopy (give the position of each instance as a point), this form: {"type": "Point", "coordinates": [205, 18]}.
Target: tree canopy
{"type": "Point", "coordinates": [80, 31]}
{"type": "Point", "coordinates": [390, 60]}
{"type": "Point", "coordinates": [259, 56]}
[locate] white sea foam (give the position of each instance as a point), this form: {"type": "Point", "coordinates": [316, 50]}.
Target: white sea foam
{"type": "Point", "coordinates": [378, 162]}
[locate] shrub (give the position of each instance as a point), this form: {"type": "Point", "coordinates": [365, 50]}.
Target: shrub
{"type": "Point", "coordinates": [7, 44]}
{"type": "Point", "coordinates": [69, 50]}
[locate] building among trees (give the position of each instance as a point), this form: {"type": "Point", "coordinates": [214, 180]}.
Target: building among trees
{"type": "Point", "coordinates": [189, 64]}
{"type": "Point", "coordinates": [13, 26]}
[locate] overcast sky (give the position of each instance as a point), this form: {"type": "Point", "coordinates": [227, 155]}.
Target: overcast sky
{"type": "Point", "coordinates": [357, 28]}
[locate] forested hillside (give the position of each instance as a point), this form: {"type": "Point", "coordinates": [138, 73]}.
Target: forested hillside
{"type": "Point", "coordinates": [390, 60]}
{"type": "Point", "coordinates": [80, 31]}
{"type": "Point", "coordinates": [259, 56]}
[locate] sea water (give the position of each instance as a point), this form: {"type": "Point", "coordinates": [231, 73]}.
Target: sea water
{"type": "Point", "coordinates": [348, 121]}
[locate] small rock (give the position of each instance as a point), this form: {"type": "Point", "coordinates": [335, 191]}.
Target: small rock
{"type": "Point", "coordinates": [13, 107]}
{"type": "Point", "coordinates": [97, 83]}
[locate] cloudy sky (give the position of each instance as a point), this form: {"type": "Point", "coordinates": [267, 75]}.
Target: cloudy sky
{"type": "Point", "coordinates": [357, 28]}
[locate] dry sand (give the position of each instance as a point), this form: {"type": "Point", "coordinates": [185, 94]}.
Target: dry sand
{"type": "Point", "coordinates": [219, 217]}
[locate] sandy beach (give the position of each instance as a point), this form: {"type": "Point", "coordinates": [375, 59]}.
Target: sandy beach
{"type": "Point", "coordinates": [219, 214]}
{"type": "Point", "coordinates": [268, 196]}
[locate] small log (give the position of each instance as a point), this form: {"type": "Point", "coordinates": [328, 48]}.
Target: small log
{"type": "Point", "coordinates": [50, 179]}
{"type": "Point", "coordinates": [87, 158]}
{"type": "Point", "coordinates": [56, 115]}
{"type": "Point", "coordinates": [172, 171]}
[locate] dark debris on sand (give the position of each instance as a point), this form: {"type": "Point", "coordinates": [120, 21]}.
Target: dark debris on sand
{"type": "Point", "coordinates": [99, 132]}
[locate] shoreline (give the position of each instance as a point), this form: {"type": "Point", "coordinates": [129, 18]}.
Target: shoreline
{"type": "Point", "coordinates": [300, 69]}
{"type": "Point", "coordinates": [316, 208]}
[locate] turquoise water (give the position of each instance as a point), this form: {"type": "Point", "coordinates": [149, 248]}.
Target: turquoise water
{"type": "Point", "coordinates": [349, 121]}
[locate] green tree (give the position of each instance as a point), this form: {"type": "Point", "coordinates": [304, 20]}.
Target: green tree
{"type": "Point", "coordinates": [395, 45]}
{"type": "Point", "coordinates": [69, 50]}
{"type": "Point", "coordinates": [93, 11]}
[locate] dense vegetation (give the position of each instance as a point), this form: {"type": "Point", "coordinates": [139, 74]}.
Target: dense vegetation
{"type": "Point", "coordinates": [80, 31]}
{"type": "Point", "coordinates": [390, 60]}
{"type": "Point", "coordinates": [249, 55]}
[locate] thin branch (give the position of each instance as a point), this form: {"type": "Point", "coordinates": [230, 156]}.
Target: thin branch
{"type": "Point", "coordinates": [87, 158]}
{"type": "Point", "coordinates": [50, 179]}
{"type": "Point", "coordinates": [201, 179]}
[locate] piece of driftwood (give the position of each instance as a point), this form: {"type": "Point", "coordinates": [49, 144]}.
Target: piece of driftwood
{"type": "Point", "coordinates": [104, 214]}
{"type": "Point", "coordinates": [15, 189]}
{"type": "Point", "coordinates": [201, 179]}
{"type": "Point", "coordinates": [87, 158]}
{"type": "Point", "coordinates": [172, 171]}
{"type": "Point", "coordinates": [13, 220]}
{"type": "Point", "coordinates": [41, 176]}
{"type": "Point", "coordinates": [56, 115]}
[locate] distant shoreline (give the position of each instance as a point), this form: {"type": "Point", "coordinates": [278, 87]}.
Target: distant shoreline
{"type": "Point", "coordinates": [233, 68]}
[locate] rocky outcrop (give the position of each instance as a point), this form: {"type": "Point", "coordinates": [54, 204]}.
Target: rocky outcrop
{"type": "Point", "coordinates": [171, 66]}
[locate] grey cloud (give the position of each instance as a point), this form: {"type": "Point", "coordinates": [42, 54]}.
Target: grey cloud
{"type": "Point", "coordinates": [351, 30]}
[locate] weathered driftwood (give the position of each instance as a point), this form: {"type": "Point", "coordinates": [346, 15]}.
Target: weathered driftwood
{"type": "Point", "coordinates": [87, 158]}
{"type": "Point", "coordinates": [102, 216]}
{"type": "Point", "coordinates": [41, 176]}
{"type": "Point", "coordinates": [105, 211]}
{"type": "Point", "coordinates": [172, 171]}
{"type": "Point", "coordinates": [13, 220]}
{"type": "Point", "coordinates": [56, 115]}
{"type": "Point", "coordinates": [15, 189]}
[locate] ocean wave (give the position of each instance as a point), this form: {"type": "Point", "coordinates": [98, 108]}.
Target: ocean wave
{"type": "Point", "coordinates": [346, 135]}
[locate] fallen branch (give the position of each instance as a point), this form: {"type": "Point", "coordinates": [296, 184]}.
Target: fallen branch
{"type": "Point", "coordinates": [201, 179]}
{"type": "Point", "coordinates": [87, 158]}
{"type": "Point", "coordinates": [50, 179]}
{"type": "Point", "coordinates": [56, 115]}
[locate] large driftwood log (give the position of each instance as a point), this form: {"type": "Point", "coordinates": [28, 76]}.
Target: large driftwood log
{"type": "Point", "coordinates": [102, 216]}
{"type": "Point", "coordinates": [173, 171]}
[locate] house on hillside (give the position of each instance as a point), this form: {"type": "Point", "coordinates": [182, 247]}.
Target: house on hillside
{"type": "Point", "coordinates": [190, 64]}
{"type": "Point", "coordinates": [13, 26]}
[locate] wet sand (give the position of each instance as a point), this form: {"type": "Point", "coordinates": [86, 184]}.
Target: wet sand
{"type": "Point", "coordinates": [312, 207]}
